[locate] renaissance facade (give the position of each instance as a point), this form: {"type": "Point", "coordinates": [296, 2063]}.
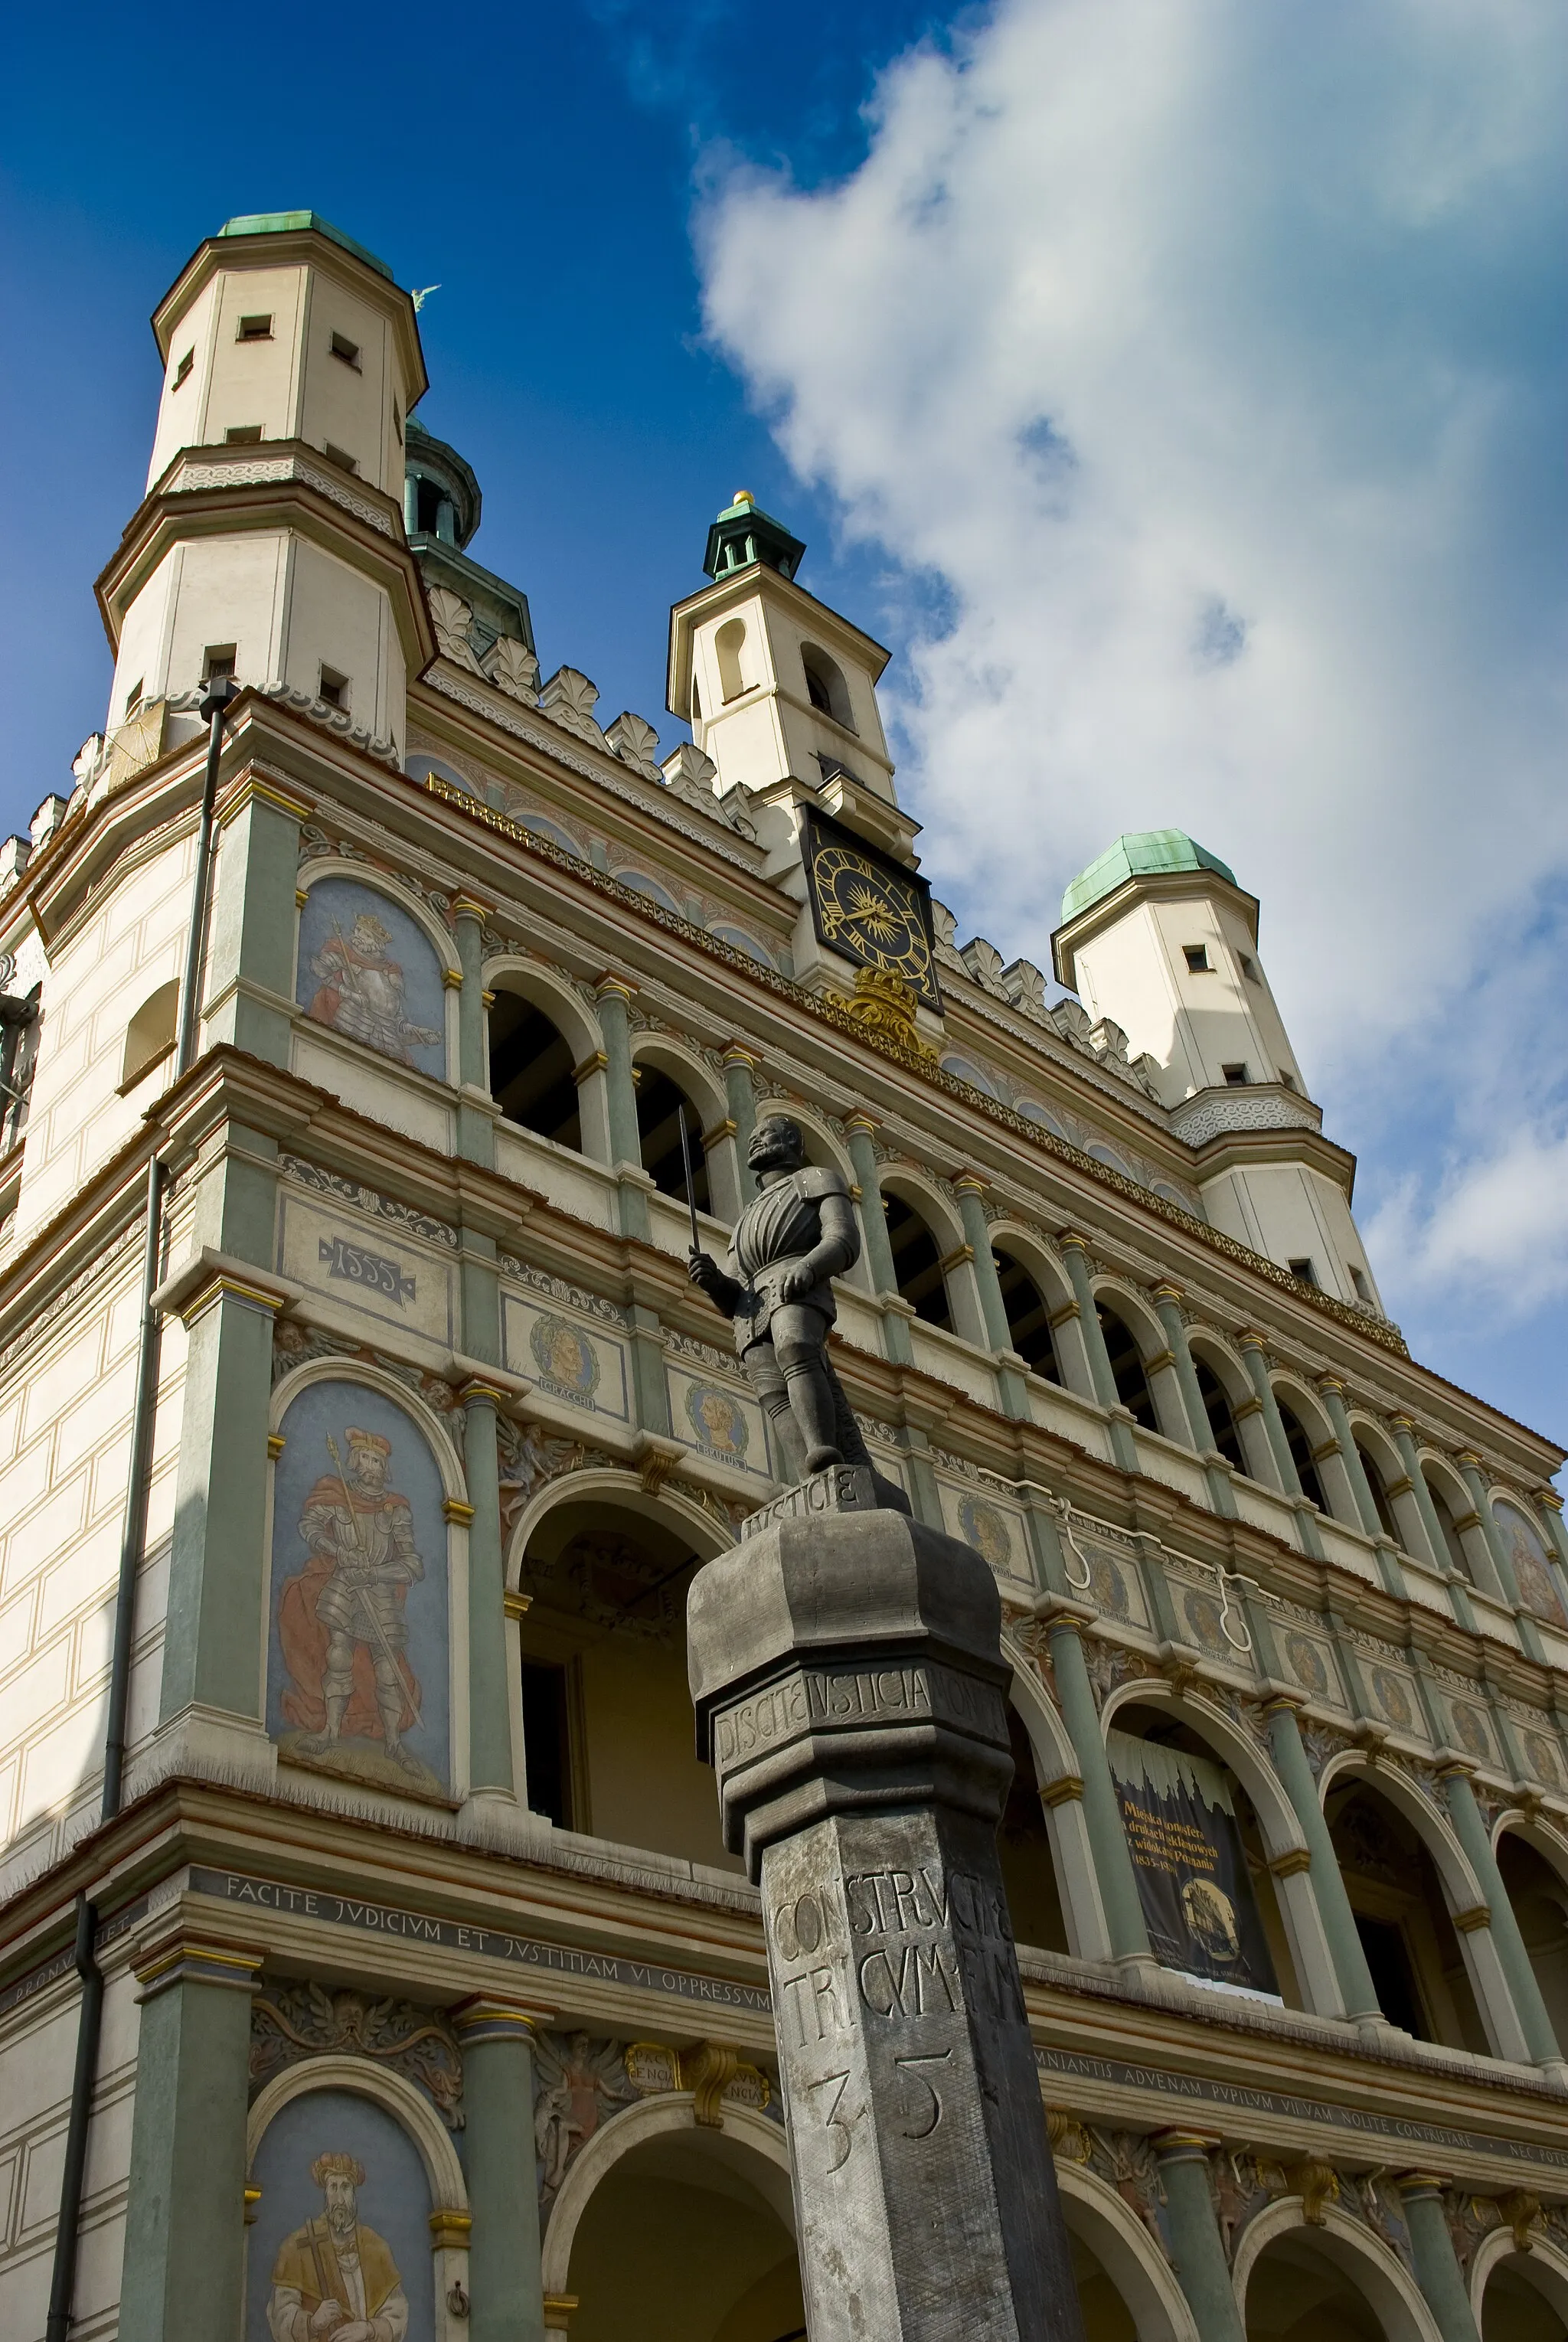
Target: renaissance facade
{"type": "Point", "coordinates": [372, 1963]}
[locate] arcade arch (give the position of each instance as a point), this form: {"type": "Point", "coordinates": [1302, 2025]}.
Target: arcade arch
{"type": "Point", "coordinates": [677, 2231]}
{"type": "Point", "coordinates": [1325, 2281]}
{"type": "Point", "coordinates": [1230, 1403]}
{"type": "Point", "coordinates": [1126, 2288]}
{"type": "Point", "coordinates": [917, 1254]}
{"type": "Point", "coordinates": [1519, 2296]}
{"type": "Point", "coordinates": [668, 1084]}
{"type": "Point", "coordinates": [1142, 1366]}
{"type": "Point", "coordinates": [1533, 1870]}
{"type": "Point", "coordinates": [606, 1711]}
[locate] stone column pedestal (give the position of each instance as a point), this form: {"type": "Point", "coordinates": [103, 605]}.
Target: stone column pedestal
{"type": "Point", "coordinates": [849, 1686]}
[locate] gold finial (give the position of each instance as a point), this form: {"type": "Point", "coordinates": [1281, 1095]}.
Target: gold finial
{"type": "Point", "coordinates": [742, 497]}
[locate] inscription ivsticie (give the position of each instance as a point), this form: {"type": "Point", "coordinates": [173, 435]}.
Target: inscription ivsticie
{"type": "Point", "coordinates": [817, 1696]}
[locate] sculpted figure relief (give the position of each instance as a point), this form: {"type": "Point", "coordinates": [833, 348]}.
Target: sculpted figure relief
{"type": "Point", "coordinates": [788, 1246]}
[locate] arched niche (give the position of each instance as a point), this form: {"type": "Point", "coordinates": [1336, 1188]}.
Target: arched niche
{"type": "Point", "coordinates": [1535, 1571]}
{"type": "Point", "coordinates": [670, 1079]}
{"type": "Point", "coordinates": [826, 686]}
{"type": "Point", "coordinates": [1107, 2234]}
{"type": "Point", "coordinates": [1029, 1307]}
{"type": "Point", "coordinates": [1046, 1772]}
{"type": "Point", "coordinates": [1134, 1343]}
{"type": "Point", "coordinates": [1041, 1264]}
{"type": "Point", "coordinates": [1235, 1415]}
{"type": "Point", "coordinates": [1519, 2296]}
{"type": "Point", "coordinates": [729, 652]}
{"type": "Point", "coordinates": [372, 965]}
{"type": "Point", "coordinates": [366, 1680]}
{"type": "Point", "coordinates": [1310, 1437]}
{"type": "Point", "coordinates": [604, 1703]}
{"type": "Point", "coordinates": [1533, 1865]}
{"type": "Point", "coordinates": [1272, 1843]}
{"type": "Point", "coordinates": [1463, 1538]}
{"type": "Point", "coordinates": [1399, 1516]}
{"type": "Point", "coordinates": [1325, 2281]}
{"type": "Point", "coordinates": [677, 2231]}
{"type": "Point", "coordinates": [1408, 1882]}
{"type": "Point", "coordinates": [923, 1233]}
{"type": "Point", "coordinates": [540, 1037]}
{"type": "Point", "coordinates": [151, 1033]}
{"type": "Point", "coordinates": [342, 2119]}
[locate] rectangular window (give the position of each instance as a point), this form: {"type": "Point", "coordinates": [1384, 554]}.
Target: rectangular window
{"type": "Point", "coordinates": [1358, 1277]}
{"type": "Point", "coordinates": [1287, 1080]}
{"type": "Point", "coordinates": [397, 418]}
{"type": "Point", "coordinates": [1236, 1076]}
{"type": "Point", "coordinates": [1248, 968]}
{"type": "Point", "coordinates": [217, 660]}
{"type": "Point", "coordinates": [547, 1740]}
{"type": "Point", "coordinates": [254, 330]}
{"type": "Point", "coordinates": [340, 456]}
{"type": "Point", "coordinates": [182, 370]}
{"type": "Point", "coordinates": [1304, 1270]}
{"type": "Point", "coordinates": [242, 435]}
{"type": "Point", "coordinates": [133, 699]}
{"type": "Point", "coordinates": [342, 347]}
{"type": "Point", "coordinates": [334, 687]}
{"type": "Point", "coordinates": [1197, 959]}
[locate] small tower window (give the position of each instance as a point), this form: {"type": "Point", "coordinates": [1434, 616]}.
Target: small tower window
{"type": "Point", "coordinates": [133, 699]}
{"type": "Point", "coordinates": [1358, 1277]}
{"type": "Point", "coordinates": [1248, 967]}
{"type": "Point", "coordinates": [1287, 1079]}
{"type": "Point", "coordinates": [334, 687]}
{"type": "Point", "coordinates": [1304, 1270]}
{"type": "Point", "coordinates": [728, 644]}
{"type": "Point", "coordinates": [1197, 959]}
{"type": "Point", "coordinates": [182, 370]}
{"type": "Point", "coordinates": [254, 330]}
{"type": "Point", "coordinates": [342, 347]}
{"type": "Point", "coordinates": [397, 418]}
{"type": "Point", "coordinates": [218, 659]}
{"type": "Point", "coordinates": [242, 435]}
{"type": "Point", "coordinates": [338, 455]}
{"type": "Point", "coordinates": [825, 686]}
{"type": "Point", "coordinates": [1237, 1076]}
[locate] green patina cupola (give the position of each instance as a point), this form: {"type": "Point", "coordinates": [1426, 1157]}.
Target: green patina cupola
{"type": "Point", "coordinates": [742, 534]}
{"type": "Point", "coordinates": [1138, 854]}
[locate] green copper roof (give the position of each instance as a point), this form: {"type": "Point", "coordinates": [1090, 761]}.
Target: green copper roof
{"type": "Point", "coordinates": [744, 533]}
{"type": "Point", "coordinates": [1141, 854]}
{"type": "Point", "coordinates": [291, 223]}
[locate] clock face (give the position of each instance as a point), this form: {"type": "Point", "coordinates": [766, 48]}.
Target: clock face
{"type": "Point", "coordinates": [872, 914]}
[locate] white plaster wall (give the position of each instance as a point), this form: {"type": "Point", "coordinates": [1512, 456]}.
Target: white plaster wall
{"type": "Point", "coordinates": [335, 616]}
{"type": "Point", "coordinates": [291, 386]}
{"type": "Point", "coordinates": [97, 979]}
{"type": "Point", "coordinates": [1288, 1212]}
{"type": "Point", "coordinates": [37, 2048]}
{"type": "Point", "coordinates": [64, 1431]}
{"type": "Point", "coordinates": [1192, 1025]}
{"type": "Point", "coordinates": [772, 728]}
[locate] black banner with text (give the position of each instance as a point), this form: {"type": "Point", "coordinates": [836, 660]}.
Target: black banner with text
{"type": "Point", "coordinates": [1190, 1866]}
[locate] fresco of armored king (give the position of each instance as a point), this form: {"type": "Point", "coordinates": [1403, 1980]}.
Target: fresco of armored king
{"type": "Point", "coordinates": [363, 993]}
{"type": "Point", "coordinates": [334, 2276]}
{"type": "Point", "coordinates": [788, 1246]}
{"type": "Point", "coordinates": [342, 1621]}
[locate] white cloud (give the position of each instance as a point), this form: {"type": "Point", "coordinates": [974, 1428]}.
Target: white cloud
{"type": "Point", "coordinates": [1203, 353]}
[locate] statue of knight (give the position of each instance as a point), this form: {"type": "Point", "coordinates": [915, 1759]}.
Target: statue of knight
{"type": "Point", "coordinates": [788, 1246]}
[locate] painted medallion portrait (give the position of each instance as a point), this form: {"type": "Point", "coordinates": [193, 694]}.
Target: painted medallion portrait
{"type": "Point", "coordinates": [1306, 1662]}
{"type": "Point", "coordinates": [340, 2251]}
{"type": "Point", "coordinates": [368, 971]}
{"type": "Point", "coordinates": [718, 1423]}
{"type": "Point", "coordinates": [985, 1527]}
{"type": "Point", "coordinates": [357, 1657]}
{"type": "Point", "coordinates": [567, 1361]}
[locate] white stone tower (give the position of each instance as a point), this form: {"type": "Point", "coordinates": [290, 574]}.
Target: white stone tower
{"type": "Point", "coordinates": [1158, 936]}
{"type": "Point", "coordinates": [271, 542]}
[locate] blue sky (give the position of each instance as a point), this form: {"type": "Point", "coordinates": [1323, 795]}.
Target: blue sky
{"type": "Point", "coordinates": [1177, 385]}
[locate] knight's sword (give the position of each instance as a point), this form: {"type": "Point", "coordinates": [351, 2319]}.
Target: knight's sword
{"type": "Point", "coordinates": [687, 1165]}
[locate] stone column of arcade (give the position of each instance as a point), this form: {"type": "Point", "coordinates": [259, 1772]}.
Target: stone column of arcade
{"type": "Point", "coordinates": [1074, 1252]}
{"type": "Point", "coordinates": [971, 1190]}
{"type": "Point", "coordinates": [507, 2301]}
{"type": "Point", "coordinates": [1255, 1351]}
{"type": "Point", "coordinates": [849, 1684]}
{"type": "Point", "coordinates": [1437, 2269]}
{"type": "Point", "coordinates": [895, 1336]}
{"type": "Point", "coordinates": [614, 995]}
{"type": "Point", "coordinates": [1183, 2158]}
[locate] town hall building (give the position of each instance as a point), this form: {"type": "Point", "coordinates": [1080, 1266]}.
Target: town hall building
{"type": "Point", "coordinates": [372, 1963]}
